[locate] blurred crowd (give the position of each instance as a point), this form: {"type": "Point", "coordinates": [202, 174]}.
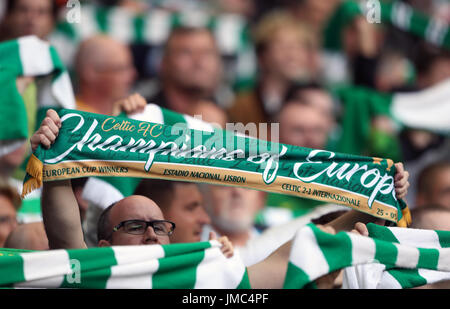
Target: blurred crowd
{"type": "Point", "coordinates": [323, 71]}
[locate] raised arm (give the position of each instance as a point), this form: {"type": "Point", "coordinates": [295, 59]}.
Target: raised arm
{"type": "Point", "coordinates": [270, 273]}
{"type": "Point", "coordinates": [59, 207]}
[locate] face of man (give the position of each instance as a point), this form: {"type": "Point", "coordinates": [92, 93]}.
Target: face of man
{"type": "Point", "coordinates": [233, 209]}
{"type": "Point", "coordinates": [31, 17]}
{"type": "Point", "coordinates": [192, 62]}
{"type": "Point", "coordinates": [8, 220]}
{"type": "Point", "coordinates": [439, 192]}
{"type": "Point", "coordinates": [304, 126]}
{"type": "Point", "coordinates": [318, 98]}
{"type": "Point", "coordinates": [287, 56]}
{"type": "Point", "coordinates": [187, 212]}
{"type": "Point", "coordinates": [434, 220]}
{"type": "Point", "coordinates": [140, 208]}
{"type": "Point", "coordinates": [114, 72]}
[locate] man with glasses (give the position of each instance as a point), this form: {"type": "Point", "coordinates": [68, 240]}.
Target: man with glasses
{"type": "Point", "coordinates": [134, 220]}
{"type": "Point", "coordinates": [180, 202]}
{"type": "Point", "coordinates": [123, 223]}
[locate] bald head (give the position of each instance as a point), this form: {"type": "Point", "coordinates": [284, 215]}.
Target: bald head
{"type": "Point", "coordinates": [135, 207]}
{"type": "Point", "coordinates": [29, 236]}
{"type": "Point", "coordinates": [106, 66]}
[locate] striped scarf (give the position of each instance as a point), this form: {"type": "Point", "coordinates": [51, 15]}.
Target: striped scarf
{"type": "Point", "coordinates": [98, 145]}
{"type": "Point", "coordinates": [427, 109]}
{"type": "Point", "coordinates": [389, 258]}
{"type": "Point", "coordinates": [395, 13]}
{"type": "Point", "coordinates": [406, 18]}
{"type": "Point", "coordinates": [397, 257]}
{"type": "Point", "coordinates": [29, 56]}
{"type": "Point", "coordinates": [175, 266]}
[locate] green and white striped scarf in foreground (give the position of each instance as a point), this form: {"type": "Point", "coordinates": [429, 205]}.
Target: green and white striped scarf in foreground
{"type": "Point", "coordinates": [403, 258]}
{"type": "Point", "coordinates": [98, 145]}
{"type": "Point", "coordinates": [398, 257]}
{"type": "Point", "coordinates": [29, 56]}
{"type": "Point", "coordinates": [174, 266]}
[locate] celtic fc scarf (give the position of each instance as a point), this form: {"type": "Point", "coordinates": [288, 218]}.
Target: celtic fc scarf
{"type": "Point", "coordinates": [116, 188]}
{"type": "Point", "coordinates": [397, 257]}
{"type": "Point", "coordinates": [29, 56]}
{"type": "Point", "coordinates": [98, 145]}
{"type": "Point", "coordinates": [174, 266]}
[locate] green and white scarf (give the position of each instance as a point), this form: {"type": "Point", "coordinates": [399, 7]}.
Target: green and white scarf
{"type": "Point", "coordinates": [427, 109]}
{"type": "Point", "coordinates": [98, 145]}
{"type": "Point", "coordinates": [402, 258]}
{"type": "Point", "coordinates": [117, 188]}
{"type": "Point", "coordinates": [396, 257]}
{"type": "Point", "coordinates": [174, 266]}
{"type": "Point", "coordinates": [396, 13]}
{"type": "Point", "coordinates": [29, 56]}
{"type": "Point", "coordinates": [406, 18]}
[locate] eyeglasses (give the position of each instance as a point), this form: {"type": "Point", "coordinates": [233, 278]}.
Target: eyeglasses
{"type": "Point", "coordinates": [138, 227]}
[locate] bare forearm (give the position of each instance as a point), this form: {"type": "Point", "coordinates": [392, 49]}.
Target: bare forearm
{"type": "Point", "coordinates": [271, 272]}
{"type": "Point", "coordinates": [61, 216]}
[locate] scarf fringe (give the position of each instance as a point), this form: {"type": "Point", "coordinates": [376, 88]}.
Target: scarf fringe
{"type": "Point", "coordinates": [34, 170]}
{"type": "Point", "coordinates": [406, 219]}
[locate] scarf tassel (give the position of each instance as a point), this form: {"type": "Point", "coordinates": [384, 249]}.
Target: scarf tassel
{"type": "Point", "coordinates": [34, 171]}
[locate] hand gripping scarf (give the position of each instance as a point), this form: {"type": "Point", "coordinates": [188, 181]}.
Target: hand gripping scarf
{"type": "Point", "coordinates": [98, 145]}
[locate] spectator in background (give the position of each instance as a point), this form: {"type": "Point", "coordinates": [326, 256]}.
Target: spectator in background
{"type": "Point", "coordinates": [308, 116]}
{"type": "Point", "coordinates": [105, 73]}
{"type": "Point", "coordinates": [9, 205]}
{"type": "Point", "coordinates": [28, 236]}
{"type": "Point", "coordinates": [190, 71]}
{"type": "Point", "coordinates": [28, 17]}
{"type": "Point", "coordinates": [432, 65]}
{"type": "Point", "coordinates": [314, 13]}
{"type": "Point", "coordinates": [421, 147]}
{"type": "Point", "coordinates": [286, 52]}
{"type": "Point", "coordinates": [306, 119]}
{"type": "Point", "coordinates": [433, 185]}
{"type": "Point", "coordinates": [181, 203]}
{"type": "Point", "coordinates": [22, 18]}
{"type": "Point", "coordinates": [233, 211]}
{"type": "Point", "coordinates": [431, 217]}
{"type": "Point", "coordinates": [211, 113]}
